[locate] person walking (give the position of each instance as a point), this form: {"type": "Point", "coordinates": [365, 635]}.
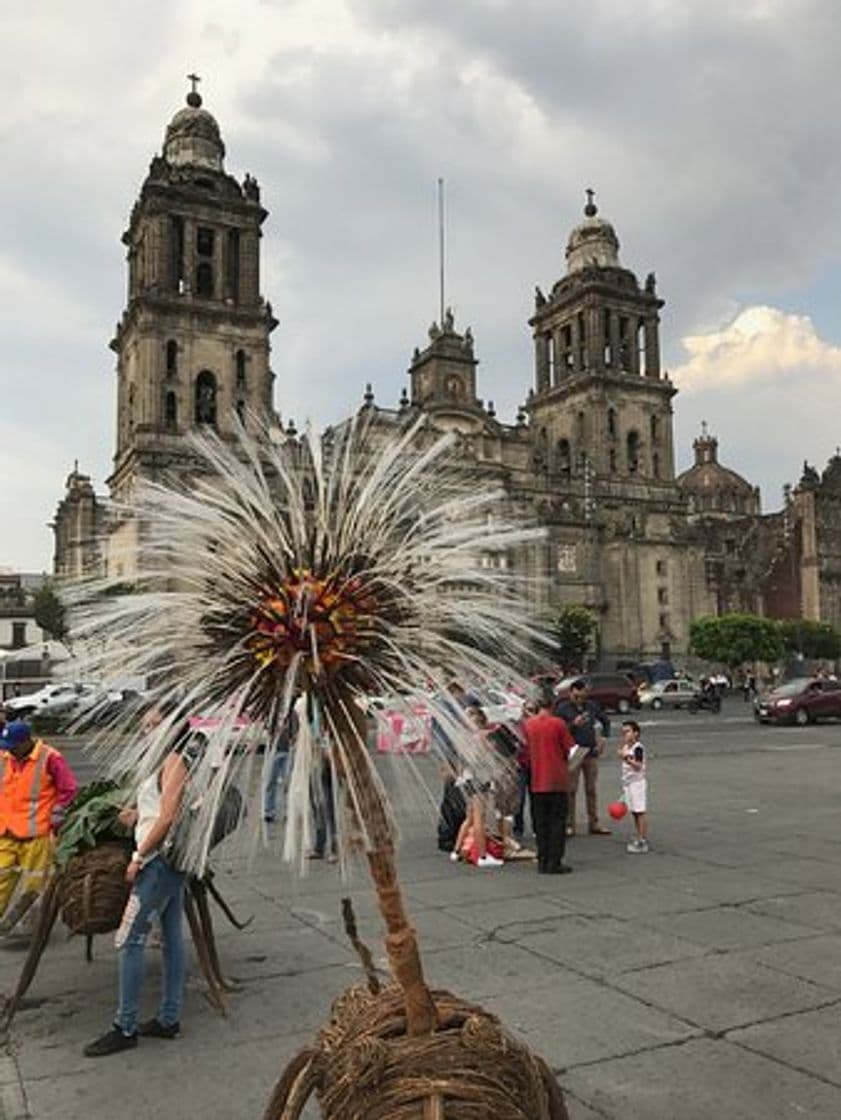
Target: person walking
{"type": "Point", "coordinates": [582, 715]}
{"type": "Point", "coordinates": [36, 786]}
{"type": "Point", "coordinates": [635, 784]}
{"type": "Point", "coordinates": [157, 890]}
{"type": "Point", "coordinates": [548, 743]}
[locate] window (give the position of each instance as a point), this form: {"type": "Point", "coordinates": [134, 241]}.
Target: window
{"type": "Point", "coordinates": [232, 266]}
{"type": "Point", "coordinates": [655, 464]}
{"type": "Point", "coordinates": [204, 241]}
{"type": "Point", "coordinates": [633, 448]}
{"type": "Point", "coordinates": [550, 351]}
{"type": "Point", "coordinates": [611, 423]}
{"type": "Point", "coordinates": [564, 458]}
{"type": "Point", "coordinates": [205, 411]}
{"type": "Point", "coordinates": [664, 622]}
{"type": "Point", "coordinates": [606, 347]}
{"type": "Point", "coordinates": [661, 567]}
{"type": "Point", "coordinates": [568, 362]}
{"type": "Point", "coordinates": [176, 242]}
{"type": "Point", "coordinates": [204, 280]}
{"type": "Point", "coordinates": [171, 358]}
{"type": "Point", "coordinates": [641, 345]}
{"type": "Point", "coordinates": [663, 596]}
{"type": "Point", "coordinates": [240, 368]}
{"type": "Point", "coordinates": [613, 460]}
{"type": "Point", "coordinates": [171, 410]}
{"type": "Point", "coordinates": [624, 345]}
{"type": "Point", "coordinates": [240, 407]}
{"type": "Point", "coordinates": [18, 635]}
{"type": "Point", "coordinates": [655, 429]}
{"type": "Point", "coordinates": [582, 342]}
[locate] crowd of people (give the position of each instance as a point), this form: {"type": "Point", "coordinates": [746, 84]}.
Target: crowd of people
{"type": "Point", "coordinates": [538, 765]}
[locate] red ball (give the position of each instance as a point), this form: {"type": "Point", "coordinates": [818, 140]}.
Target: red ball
{"type": "Point", "coordinates": [617, 810]}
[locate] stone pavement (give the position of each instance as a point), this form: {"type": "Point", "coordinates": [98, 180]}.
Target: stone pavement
{"type": "Point", "coordinates": [702, 981]}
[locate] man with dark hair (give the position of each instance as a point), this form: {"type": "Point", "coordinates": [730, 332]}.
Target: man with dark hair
{"type": "Point", "coordinates": [548, 743]}
{"type": "Point", "coordinates": [581, 716]}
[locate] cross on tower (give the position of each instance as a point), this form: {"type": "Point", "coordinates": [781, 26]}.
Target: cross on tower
{"type": "Point", "coordinates": [194, 80]}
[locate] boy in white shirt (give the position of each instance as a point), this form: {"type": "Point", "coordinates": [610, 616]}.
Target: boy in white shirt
{"type": "Point", "coordinates": [634, 783]}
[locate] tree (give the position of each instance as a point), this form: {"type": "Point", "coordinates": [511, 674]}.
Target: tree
{"type": "Point", "coordinates": [573, 630]}
{"type": "Point", "coordinates": [50, 613]}
{"type": "Point", "coordinates": [733, 639]}
{"type": "Point", "coordinates": [810, 638]}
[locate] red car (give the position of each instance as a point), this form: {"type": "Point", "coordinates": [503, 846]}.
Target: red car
{"type": "Point", "coordinates": [615, 692]}
{"type": "Point", "coordinates": [800, 701]}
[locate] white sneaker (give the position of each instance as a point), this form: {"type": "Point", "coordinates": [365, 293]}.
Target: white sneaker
{"type": "Point", "coordinates": [637, 847]}
{"type": "Point", "coordinates": [454, 857]}
{"type": "Point", "coordinates": [489, 861]}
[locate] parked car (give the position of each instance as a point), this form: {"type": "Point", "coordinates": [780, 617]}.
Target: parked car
{"type": "Point", "coordinates": [801, 701]}
{"type": "Point", "coordinates": [649, 672]}
{"type": "Point", "coordinates": [65, 699]}
{"type": "Point", "coordinates": [679, 693]}
{"type": "Point", "coordinates": [502, 707]}
{"type": "Point", "coordinates": [615, 692]}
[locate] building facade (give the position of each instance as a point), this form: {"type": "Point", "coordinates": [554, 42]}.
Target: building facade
{"type": "Point", "coordinates": [590, 456]}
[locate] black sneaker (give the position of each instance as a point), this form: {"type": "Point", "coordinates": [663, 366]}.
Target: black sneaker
{"type": "Point", "coordinates": [111, 1043]}
{"type": "Point", "coordinates": [154, 1028]}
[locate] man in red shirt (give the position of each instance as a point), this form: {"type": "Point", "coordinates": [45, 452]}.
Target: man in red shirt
{"type": "Point", "coordinates": [548, 743]}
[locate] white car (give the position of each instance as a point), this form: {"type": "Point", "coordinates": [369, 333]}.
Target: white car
{"type": "Point", "coordinates": [502, 707]}
{"type": "Point", "coordinates": [55, 700]}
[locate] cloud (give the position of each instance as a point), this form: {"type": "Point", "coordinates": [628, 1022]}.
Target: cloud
{"type": "Point", "coordinates": [708, 130]}
{"type": "Point", "coordinates": [762, 344]}
{"type": "Point", "coordinates": [771, 386]}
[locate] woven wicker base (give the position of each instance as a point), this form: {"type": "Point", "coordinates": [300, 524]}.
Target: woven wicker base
{"type": "Point", "coordinates": [365, 1067]}
{"type": "Point", "coordinates": [94, 890]}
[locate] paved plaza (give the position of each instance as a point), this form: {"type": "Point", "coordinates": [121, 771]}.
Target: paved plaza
{"type": "Point", "coordinates": [700, 982]}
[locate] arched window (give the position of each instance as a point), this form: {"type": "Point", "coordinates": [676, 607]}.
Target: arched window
{"type": "Point", "coordinates": [240, 407]}
{"type": "Point", "coordinates": [611, 423]}
{"type": "Point", "coordinates": [171, 410]}
{"type": "Point", "coordinates": [171, 358]}
{"type": "Point", "coordinates": [633, 445]}
{"type": "Point", "coordinates": [205, 398]}
{"type": "Point", "coordinates": [240, 369]}
{"type": "Point", "coordinates": [204, 280]}
{"type": "Point", "coordinates": [564, 458]}
{"type": "Point", "coordinates": [640, 342]}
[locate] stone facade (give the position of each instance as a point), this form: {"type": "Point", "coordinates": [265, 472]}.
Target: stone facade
{"type": "Point", "coordinates": [590, 456]}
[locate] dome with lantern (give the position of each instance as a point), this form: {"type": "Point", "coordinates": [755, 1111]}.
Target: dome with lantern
{"type": "Point", "coordinates": [713, 488]}
{"type": "Point", "coordinates": [193, 138]}
{"type": "Point", "coordinates": [593, 243]}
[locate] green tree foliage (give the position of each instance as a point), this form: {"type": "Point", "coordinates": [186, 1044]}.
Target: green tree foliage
{"type": "Point", "coordinates": [573, 630]}
{"type": "Point", "coordinates": [733, 639]}
{"type": "Point", "coordinates": [812, 639]}
{"type": "Point", "coordinates": [50, 613]}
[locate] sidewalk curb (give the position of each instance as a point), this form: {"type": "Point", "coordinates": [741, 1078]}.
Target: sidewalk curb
{"type": "Point", "coordinates": [13, 1104]}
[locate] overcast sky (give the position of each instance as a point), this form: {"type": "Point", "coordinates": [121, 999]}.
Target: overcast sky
{"type": "Point", "coordinates": [709, 130]}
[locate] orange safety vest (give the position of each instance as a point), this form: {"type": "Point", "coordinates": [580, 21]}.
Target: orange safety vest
{"type": "Point", "coordinates": [27, 794]}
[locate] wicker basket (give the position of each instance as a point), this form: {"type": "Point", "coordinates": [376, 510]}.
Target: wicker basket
{"type": "Point", "coordinates": [364, 1065]}
{"type": "Point", "coordinates": [94, 889]}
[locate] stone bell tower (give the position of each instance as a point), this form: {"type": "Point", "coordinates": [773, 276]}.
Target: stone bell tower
{"type": "Point", "coordinates": [600, 400]}
{"type": "Point", "coordinates": [193, 343]}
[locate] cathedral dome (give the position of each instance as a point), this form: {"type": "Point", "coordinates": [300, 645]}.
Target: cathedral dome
{"type": "Point", "coordinates": [193, 138]}
{"type": "Point", "coordinates": [593, 242]}
{"type": "Point", "coordinates": [713, 488]}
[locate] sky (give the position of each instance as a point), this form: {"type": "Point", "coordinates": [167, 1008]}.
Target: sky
{"type": "Point", "coordinates": [708, 130]}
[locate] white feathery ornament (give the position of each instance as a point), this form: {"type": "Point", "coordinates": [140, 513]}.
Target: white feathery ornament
{"type": "Point", "coordinates": [329, 569]}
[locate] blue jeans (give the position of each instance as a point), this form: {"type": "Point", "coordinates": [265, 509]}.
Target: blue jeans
{"type": "Point", "coordinates": [277, 774]}
{"type": "Point", "coordinates": [158, 889]}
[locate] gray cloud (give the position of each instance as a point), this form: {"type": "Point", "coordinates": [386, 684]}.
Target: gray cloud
{"type": "Point", "coordinates": [708, 131]}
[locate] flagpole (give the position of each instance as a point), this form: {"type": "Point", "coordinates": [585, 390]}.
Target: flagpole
{"type": "Point", "coordinates": [441, 251]}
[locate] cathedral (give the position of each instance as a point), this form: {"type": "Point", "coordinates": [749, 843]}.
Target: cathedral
{"type": "Point", "coordinates": [589, 457]}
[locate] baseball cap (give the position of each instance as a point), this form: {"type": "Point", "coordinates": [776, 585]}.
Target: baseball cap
{"type": "Point", "coordinates": [14, 734]}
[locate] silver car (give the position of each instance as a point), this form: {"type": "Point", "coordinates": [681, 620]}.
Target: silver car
{"type": "Point", "coordinates": [678, 693]}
